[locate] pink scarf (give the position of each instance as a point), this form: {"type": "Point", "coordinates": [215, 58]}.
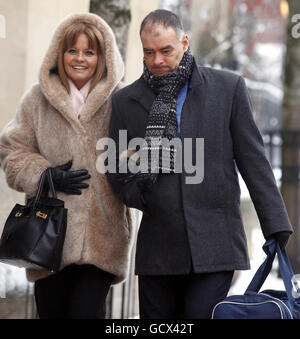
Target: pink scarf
{"type": "Point", "coordinates": [78, 97]}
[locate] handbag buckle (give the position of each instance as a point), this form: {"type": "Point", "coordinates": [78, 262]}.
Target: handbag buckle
{"type": "Point", "coordinates": [41, 214]}
{"type": "Point", "coordinates": [18, 214]}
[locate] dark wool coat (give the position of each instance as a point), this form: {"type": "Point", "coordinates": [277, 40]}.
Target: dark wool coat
{"type": "Point", "coordinates": [200, 225]}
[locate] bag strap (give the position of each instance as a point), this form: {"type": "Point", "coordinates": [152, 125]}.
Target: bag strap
{"type": "Point", "coordinates": [271, 247]}
{"type": "Point", "coordinates": [265, 268]}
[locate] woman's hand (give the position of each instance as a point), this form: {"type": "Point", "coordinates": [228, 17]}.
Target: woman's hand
{"type": "Point", "coordinates": [67, 181]}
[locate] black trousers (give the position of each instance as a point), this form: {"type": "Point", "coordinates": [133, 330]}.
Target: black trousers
{"type": "Point", "coordinates": [76, 292]}
{"type": "Point", "coordinates": [191, 296]}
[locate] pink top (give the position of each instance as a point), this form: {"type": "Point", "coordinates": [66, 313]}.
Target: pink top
{"type": "Point", "coordinates": [78, 97]}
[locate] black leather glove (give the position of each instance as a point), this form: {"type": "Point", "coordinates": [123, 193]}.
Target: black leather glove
{"type": "Point", "coordinates": [69, 182]}
{"type": "Point", "coordinates": [282, 238]}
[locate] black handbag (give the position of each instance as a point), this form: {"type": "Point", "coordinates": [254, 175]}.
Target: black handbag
{"type": "Point", "coordinates": [34, 234]}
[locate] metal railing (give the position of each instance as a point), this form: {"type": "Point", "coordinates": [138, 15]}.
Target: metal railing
{"type": "Point", "coordinates": [283, 150]}
{"type": "Point", "coordinates": [276, 143]}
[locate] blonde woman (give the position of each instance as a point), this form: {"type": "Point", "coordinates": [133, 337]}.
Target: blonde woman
{"type": "Point", "coordinates": [57, 125]}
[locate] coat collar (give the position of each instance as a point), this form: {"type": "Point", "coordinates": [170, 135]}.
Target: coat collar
{"type": "Point", "coordinates": [197, 77]}
{"type": "Point", "coordinates": [143, 94]}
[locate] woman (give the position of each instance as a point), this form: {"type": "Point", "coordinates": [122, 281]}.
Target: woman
{"type": "Point", "coordinates": [57, 125]}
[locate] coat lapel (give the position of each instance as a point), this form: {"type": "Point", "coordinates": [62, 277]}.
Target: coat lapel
{"type": "Point", "coordinates": [191, 120]}
{"type": "Point", "coordinates": [143, 94]}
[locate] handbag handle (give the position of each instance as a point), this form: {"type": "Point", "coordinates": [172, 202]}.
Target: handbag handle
{"type": "Point", "coordinates": [45, 175]}
{"type": "Point", "coordinates": [271, 247]}
{"type": "Point", "coordinates": [50, 181]}
{"type": "Point", "coordinates": [40, 189]}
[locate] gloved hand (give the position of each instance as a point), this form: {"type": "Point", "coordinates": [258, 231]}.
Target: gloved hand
{"type": "Point", "coordinates": [69, 182]}
{"type": "Point", "coordinates": [282, 238]}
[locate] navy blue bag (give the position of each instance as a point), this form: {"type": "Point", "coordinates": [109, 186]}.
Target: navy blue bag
{"type": "Point", "coordinates": [268, 304]}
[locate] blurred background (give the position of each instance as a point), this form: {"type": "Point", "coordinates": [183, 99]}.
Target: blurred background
{"type": "Point", "coordinates": [259, 39]}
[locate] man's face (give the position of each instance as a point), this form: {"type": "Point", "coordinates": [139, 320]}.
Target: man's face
{"type": "Point", "coordinates": [162, 49]}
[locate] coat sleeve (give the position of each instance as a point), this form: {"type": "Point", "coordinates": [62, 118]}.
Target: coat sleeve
{"type": "Point", "coordinates": [254, 167]}
{"type": "Point", "coordinates": [19, 153]}
{"type": "Point", "coordinates": [124, 184]}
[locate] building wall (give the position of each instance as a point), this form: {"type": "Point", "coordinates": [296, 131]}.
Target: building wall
{"type": "Point", "coordinates": [134, 55]}
{"type": "Point", "coordinates": [12, 57]}
{"type": "Point", "coordinates": [45, 15]}
{"type": "Point", "coordinates": [29, 28]}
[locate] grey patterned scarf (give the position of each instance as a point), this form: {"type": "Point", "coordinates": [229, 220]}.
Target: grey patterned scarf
{"type": "Point", "coordinates": [162, 120]}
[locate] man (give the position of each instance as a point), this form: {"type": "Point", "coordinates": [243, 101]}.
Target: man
{"type": "Point", "coordinates": [191, 237]}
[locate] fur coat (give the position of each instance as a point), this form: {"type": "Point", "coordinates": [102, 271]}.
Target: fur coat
{"type": "Point", "coordinates": [46, 132]}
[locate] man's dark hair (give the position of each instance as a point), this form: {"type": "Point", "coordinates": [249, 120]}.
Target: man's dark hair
{"type": "Point", "coordinates": [165, 18]}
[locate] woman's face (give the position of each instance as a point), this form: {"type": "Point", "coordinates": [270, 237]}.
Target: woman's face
{"type": "Point", "coordinates": [80, 61]}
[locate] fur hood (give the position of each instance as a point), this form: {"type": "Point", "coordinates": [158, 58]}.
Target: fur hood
{"type": "Point", "coordinates": [49, 80]}
{"type": "Point", "coordinates": [47, 132]}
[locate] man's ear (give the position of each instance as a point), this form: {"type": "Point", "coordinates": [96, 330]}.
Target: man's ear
{"type": "Point", "coordinates": [185, 42]}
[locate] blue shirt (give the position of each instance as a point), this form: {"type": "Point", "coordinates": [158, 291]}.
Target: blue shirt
{"type": "Point", "coordinates": [180, 101]}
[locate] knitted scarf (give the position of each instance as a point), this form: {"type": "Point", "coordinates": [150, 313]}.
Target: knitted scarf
{"type": "Point", "coordinates": [162, 121]}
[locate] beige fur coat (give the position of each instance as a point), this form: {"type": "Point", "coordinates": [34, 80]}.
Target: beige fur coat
{"type": "Point", "coordinates": [47, 132]}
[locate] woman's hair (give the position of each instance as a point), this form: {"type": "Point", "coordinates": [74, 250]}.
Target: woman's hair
{"type": "Point", "coordinates": [95, 42]}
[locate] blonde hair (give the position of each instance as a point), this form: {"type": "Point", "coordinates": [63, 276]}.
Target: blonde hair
{"type": "Point", "coordinates": [95, 42]}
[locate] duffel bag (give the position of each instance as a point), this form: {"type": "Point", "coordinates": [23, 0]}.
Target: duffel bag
{"type": "Point", "coordinates": [268, 304]}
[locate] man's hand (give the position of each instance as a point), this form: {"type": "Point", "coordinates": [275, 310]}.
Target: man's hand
{"type": "Point", "coordinates": [282, 238]}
